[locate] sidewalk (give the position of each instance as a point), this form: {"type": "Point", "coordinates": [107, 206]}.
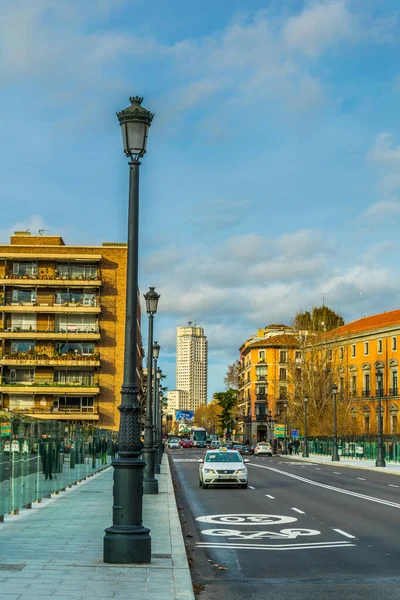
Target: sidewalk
{"type": "Point", "coordinates": [369, 465]}
{"type": "Point", "coordinates": [55, 549]}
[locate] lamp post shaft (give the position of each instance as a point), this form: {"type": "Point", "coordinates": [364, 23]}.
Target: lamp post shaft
{"type": "Point", "coordinates": [285, 437]}
{"type": "Point", "coordinates": [305, 447]}
{"type": "Point", "coordinates": [380, 461]}
{"type": "Point", "coordinates": [150, 483]}
{"type": "Point", "coordinates": [335, 453]}
{"type": "Point", "coordinates": [127, 541]}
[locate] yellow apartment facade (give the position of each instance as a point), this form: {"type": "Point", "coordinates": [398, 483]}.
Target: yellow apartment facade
{"type": "Point", "coordinates": [264, 382]}
{"type": "Point", "coordinates": [358, 350]}
{"type": "Point", "coordinates": [62, 329]}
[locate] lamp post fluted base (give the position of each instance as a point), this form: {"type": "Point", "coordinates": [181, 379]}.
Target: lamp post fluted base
{"type": "Point", "coordinates": [127, 541]}
{"type": "Point", "coordinates": [335, 456]}
{"type": "Point", "coordinates": [127, 545]}
{"type": "Point", "coordinates": [150, 483]}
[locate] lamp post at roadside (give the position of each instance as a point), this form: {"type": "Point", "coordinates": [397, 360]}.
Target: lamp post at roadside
{"type": "Point", "coordinates": [127, 540]}
{"type": "Point", "coordinates": [305, 446]}
{"type": "Point", "coordinates": [380, 461]}
{"type": "Point", "coordinates": [156, 354]}
{"type": "Point", "coordinates": [285, 438]}
{"type": "Point", "coordinates": [150, 483]}
{"type": "Point", "coordinates": [335, 453]}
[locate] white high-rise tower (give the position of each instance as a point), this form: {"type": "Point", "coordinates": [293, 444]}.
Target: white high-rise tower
{"type": "Point", "coordinates": [192, 364]}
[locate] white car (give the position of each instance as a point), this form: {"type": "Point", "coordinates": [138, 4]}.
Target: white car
{"type": "Point", "coordinates": [222, 467]}
{"type": "Point", "coordinates": [263, 448]}
{"type": "Point", "coordinates": [173, 443]}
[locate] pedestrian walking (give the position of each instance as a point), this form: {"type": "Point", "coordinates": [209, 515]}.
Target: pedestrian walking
{"type": "Point", "coordinates": [104, 451]}
{"type": "Point", "coordinates": [296, 445]}
{"type": "Point", "coordinates": [290, 447]}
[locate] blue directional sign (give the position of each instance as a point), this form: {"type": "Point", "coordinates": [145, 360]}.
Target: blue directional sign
{"type": "Point", "coordinates": [295, 433]}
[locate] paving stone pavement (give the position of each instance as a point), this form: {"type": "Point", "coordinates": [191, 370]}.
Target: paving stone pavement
{"type": "Point", "coordinates": [55, 549]}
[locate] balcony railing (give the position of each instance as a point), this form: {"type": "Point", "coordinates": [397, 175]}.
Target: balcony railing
{"type": "Point", "coordinates": [50, 302]}
{"type": "Point", "coordinates": [52, 359]}
{"type": "Point", "coordinates": [366, 393]}
{"type": "Point", "coordinates": [261, 377]}
{"type": "Point", "coordinates": [47, 383]}
{"type": "Point", "coordinates": [261, 397]}
{"type": "Point", "coordinates": [394, 391]}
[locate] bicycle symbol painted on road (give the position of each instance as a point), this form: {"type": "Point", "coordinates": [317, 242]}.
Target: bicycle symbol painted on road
{"type": "Point", "coordinates": [246, 519]}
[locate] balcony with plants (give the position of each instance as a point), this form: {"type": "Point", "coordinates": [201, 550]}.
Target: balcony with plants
{"type": "Point", "coordinates": [22, 272]}
{"type": "Point", "coordinates": [61, 380]}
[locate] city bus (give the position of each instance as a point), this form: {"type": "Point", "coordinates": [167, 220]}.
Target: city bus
{"type": "Point", "coordinates": [198, 436]}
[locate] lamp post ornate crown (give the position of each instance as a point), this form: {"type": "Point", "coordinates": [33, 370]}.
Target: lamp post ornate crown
{"type": "Point", "coordinates": [135, 122]}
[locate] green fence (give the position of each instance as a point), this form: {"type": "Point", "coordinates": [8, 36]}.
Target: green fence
{"type": "Point", "coordinates": [361, 447]}
{"type": "Point", "coordinates": [40, 457]}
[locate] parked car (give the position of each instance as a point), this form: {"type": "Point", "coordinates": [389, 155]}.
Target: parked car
{"type": "Point", "coordinates": [246, 450]}
{"type": "Point", "coordinates": [222, 467]}
{"type": "Point", "coordinates": [187, 444]}
{"type": "Point", "coordinates": [237, 447]}
{"type": "Point", "coordinates": [263, 448]}
{"type": "Point", "coordinates": [173, 443]}
{"type": "Point", "coordinates": [215, 444]}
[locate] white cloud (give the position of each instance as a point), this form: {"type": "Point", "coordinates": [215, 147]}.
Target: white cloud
{"type": "Point", "coordinates": [320, 26]}
{"type": "Point", "coordinates": [383, 209]}
{"type": "Point", "coordinates": [384, 151]}
{"type": "Point", "coordinates": [32, 223]}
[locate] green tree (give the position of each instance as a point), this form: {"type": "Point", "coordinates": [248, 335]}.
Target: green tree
{"type": "Point", "coordinates": [320, 319]}
{"type": "Point", "coordinates": [227, 401]}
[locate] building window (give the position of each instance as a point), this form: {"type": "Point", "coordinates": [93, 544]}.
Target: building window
{"type": "Point", "coordinates": [354, 385]}
{"type": "Point", "coordinates": [74, 377]}
{"type": "Point", "coordinates": [282, 374]}
{"type": "Point", "coordinates": [22, 346]}
{"type": "Point", "coordinates": [341, 386]}
{"type": "Point", "coordinates": [394, 343]}
{"type": "Point", "coordinates": [19, 296]}
{"type": "Point", "coordinates": [21, 402]}
{"type": "Point", "coordinates": [25, 269]}
{"type": "Point", "coordinates": [72, 323]}
{"type": "Point", "coordinates": [21, 322]}
{"type": "Point", "coordinates": [76, 271]}
{"type": "Point", "coordinates": [366, 348]}
{"type": "Point", "coordinates": [282, 356]}
{"type": "Point", "coordinates": [366, 423]}
{"type": "Point", "coordinates": [341, 352]}
{"type": "Point", "coordinates": [20, 376]}
{"type": "Point", "coordinates": [394, 424]}
{"type": "Point", "coordinates": [298, 355]}
{"type": "Point", "coordinates": [394, 390]}
{"type": "Point", "coordinates": [261, 356]}
{"type": "Point", "coordinates": [75, 348]}
{"type": "Point", "coordinates": [353, 350]}
{"type": "Point", "coordinates": [380, 346]}
{"type": "Point", "coordinates": [366, 385]}
{"type": "Point", "coordinates": [261, 373]}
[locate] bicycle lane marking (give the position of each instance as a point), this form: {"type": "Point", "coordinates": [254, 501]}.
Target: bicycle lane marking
{"type": "Point", "coordinates": [246, 539]}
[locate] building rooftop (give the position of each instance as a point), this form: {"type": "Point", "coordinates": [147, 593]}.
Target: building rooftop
{"type": "Point", "coordinates": [282, 340]}
{"type": "Point", "coordinates": [385, 319]}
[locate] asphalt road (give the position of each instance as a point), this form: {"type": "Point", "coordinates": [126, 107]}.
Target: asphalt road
{"type": "Point", "coordinates": [304, 532]}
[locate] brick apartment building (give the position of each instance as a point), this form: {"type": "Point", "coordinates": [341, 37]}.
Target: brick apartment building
{"type": "Point", "coordinates": [62, 329]}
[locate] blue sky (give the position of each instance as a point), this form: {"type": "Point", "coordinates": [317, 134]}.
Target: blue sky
{"type": "Point", "coordinates": [272, 172]}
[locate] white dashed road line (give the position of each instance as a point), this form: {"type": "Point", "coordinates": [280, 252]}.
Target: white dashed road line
{"type": "Point", "coordinates": [299, 511]}
{"type": "Point", "coordinates": [251, 487]}
{"type": "Point", "coordinates": [361, 478]}
{"type": "Point", "coordinates": [272, 497]}
{"type": "Point", "coordinates": [317, 469]}
{"type": "Point", "coordinates": [392, 485]}
{"type": "Point", "coordinates": [336, 473]}
{"type": "Point", "coordinates": [345, 534]}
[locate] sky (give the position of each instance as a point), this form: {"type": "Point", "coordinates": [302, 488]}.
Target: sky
{"type": "Point", "coordinates": [271, 181]}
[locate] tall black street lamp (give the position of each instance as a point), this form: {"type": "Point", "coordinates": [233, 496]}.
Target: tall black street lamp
{"type": "Point", "coordinates": [380, 461]}
{"type": "Point", "coordinates": [127, 540]}
{"type": "Point", "coordinates": [335, 453]}
{"type": "Point", "coordinates": [150, 483]}
{"type": "Point", "coordinates": [285, 438]}
{"type": "Point", "coordinates": [305, 446]}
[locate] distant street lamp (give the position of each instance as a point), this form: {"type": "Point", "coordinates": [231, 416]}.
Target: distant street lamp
{"type": "Point", "coordinates": [127, 541]}
{"type": "Point", "coordinates": [305, 446]}
{"type": "Point", "coordinates": [158, 440]}
{"type": "Point", "coordinates": [285, 438]}
{"type": "Point", "coordinates": [156, 354]}
{"type": "Point", "coordinates": [380, 462]}
{"type": "Point", "coordinates": [150, 483]}
{"type": "Point", "coordinates": [335, 453]}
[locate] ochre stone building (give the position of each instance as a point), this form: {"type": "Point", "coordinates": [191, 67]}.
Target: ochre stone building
{"type": "Point", "coordinates": [62, 329]}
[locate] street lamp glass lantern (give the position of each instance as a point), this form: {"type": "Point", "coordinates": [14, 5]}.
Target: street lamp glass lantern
{"type": "Point", "coordinates": [159, 372]}
{"type": "Point", "coordinates": [151, 301]}
{"type": "Point", "coordinates": [305, 399]}
{"type": "Point", "coordinates": [135, 122]}
{"type": "Point", "coordinates": [379, 377]}
{"type": "Point", "coordinates": [156, 349]}
{"type": "Point", "coordinates": [334, 389]}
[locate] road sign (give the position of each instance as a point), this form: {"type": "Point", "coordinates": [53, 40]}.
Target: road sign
{"type": "Point", "coordinates": [279, 431]}
{"type": "Point", "coordinates": [295, 433]}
